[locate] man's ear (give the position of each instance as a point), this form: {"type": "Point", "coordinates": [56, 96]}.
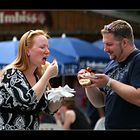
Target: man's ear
{"type": "Point", "coordinates": [125, 42]}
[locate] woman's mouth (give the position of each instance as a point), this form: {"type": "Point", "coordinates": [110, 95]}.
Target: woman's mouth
{"type": "Point", "coordinates": [44, 59]}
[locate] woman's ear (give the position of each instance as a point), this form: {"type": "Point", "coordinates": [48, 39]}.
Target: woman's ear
{"type": "Point", "coordinates": [28, 52]}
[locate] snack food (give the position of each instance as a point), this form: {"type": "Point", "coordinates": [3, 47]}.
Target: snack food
{"type": "Point", "coordinates": [91, 71]}
{"type": "Point", "coordinates": [83, 75]}
{"type": "Point", "coordinates": [84, 82]}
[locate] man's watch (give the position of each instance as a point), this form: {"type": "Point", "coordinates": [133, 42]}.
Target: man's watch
{"type": "Point", "coordinates": [109, 82]}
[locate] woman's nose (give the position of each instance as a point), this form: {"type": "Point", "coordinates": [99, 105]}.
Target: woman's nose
{"type": "Point", "coordinates": [47, 51]}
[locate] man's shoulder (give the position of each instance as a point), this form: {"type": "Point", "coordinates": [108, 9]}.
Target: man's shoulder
{"type": "Point", "coordinates": [111, 64]}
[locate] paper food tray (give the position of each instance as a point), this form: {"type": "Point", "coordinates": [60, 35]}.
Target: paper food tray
{"type": "Point", "coordinates": [56, 93]}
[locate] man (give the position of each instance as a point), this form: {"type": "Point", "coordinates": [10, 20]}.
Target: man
{"type": "Point", "coordinates": [118, 89]}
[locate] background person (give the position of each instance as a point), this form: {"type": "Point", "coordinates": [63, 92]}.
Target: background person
{"type": "Point", "coordinates": [118, 89]}
{"type": "Point", "coordinates": [24, 83]}
{"type": "Point", "coordinates": [94, 113]}
{"type": "Point", "coordinates": [70, 117]}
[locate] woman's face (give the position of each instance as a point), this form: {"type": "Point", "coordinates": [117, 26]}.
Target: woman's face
{"type": "Point", "coordinates": [39, 52]}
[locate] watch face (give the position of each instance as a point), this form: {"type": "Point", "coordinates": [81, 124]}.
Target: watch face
{"type": "Point", "coordinates": [109, 82]}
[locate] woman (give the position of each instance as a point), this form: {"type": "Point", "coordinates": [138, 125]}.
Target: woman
{"type": "Point", "coordinates": [24, 83]}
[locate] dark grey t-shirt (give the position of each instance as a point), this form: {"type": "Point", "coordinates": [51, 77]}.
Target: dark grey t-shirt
{"type": "Point", "coordinates": [119, 113]}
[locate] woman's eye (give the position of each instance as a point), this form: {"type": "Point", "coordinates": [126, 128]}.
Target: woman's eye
{"type": "Point", "coordinates": [43, 48]}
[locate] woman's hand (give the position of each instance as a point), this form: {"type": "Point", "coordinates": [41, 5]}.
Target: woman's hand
{"type": "Point", "coordinates": [52, 69]}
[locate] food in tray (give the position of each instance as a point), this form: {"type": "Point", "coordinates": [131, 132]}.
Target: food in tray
{"type": "Point", "coordinates": [84, 77]}
{"type": "Point", "coordinates": [84, 82]}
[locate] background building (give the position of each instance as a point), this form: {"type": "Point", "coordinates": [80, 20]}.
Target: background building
{"type": "Point", "coordinates": [84, 24]}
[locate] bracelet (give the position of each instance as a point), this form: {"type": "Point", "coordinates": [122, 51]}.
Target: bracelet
{"type": "Point", "coordinates": [52, 113]}
{"type": "Point", "coordinates": [109, 82]}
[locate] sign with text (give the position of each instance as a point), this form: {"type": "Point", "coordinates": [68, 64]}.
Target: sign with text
{"type": "Point", "coordinates": [22, 17]}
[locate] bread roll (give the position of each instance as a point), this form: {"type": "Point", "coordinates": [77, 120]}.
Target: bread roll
{"type": "Point", "coordinates": [92, 74]}
{"type": "Point", "coordinates": [84, 82]}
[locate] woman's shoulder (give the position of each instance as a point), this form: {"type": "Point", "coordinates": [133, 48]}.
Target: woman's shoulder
{"type": "Point", "coordinates": [12, 71]}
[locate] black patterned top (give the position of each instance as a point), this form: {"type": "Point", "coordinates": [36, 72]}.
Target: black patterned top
{"type": "Point", "coordinates": [19, 107]}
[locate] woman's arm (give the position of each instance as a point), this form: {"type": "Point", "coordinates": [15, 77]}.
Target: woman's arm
{"type": "Point", "coordinates": [40, 87]}
{"type": "Point", "coordinates": [54, 106]}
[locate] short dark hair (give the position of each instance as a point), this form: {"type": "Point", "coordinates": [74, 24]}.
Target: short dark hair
{"type": "Point", "coordinates": [120, 29]}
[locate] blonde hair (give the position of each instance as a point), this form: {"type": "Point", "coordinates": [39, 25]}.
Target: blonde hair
{"type": "Point", "coordinates": [0, 73]}
{"type": "Point", "coordinates": [21, 62]}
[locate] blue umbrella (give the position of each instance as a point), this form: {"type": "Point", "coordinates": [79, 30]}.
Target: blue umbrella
{"type": "Point", "coordinates": [8, 51]}
{"type": "Point", "coordinates": [67, 64]}
{"type": "Point", "coordinates": [61, 58]}
{"type": "Point", "coordinates": [99, 44]}
{"type": "Point", "coordinates": [77, 48]}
